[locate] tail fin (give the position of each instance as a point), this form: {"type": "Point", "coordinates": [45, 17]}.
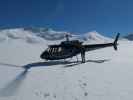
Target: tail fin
{"type": "Point", "coordinates": [115, 42]}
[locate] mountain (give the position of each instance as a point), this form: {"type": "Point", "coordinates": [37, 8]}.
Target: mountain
{"type": "Point", "coordinates": [31, 35]}
{"type": "Point", "coordinates": [19, 34]}
{"type": "Point", "coordinates": [37, 35]}
{"type": "Point", "coordinates": [96, 37]}
{"type": "Point", "coordinates": [47, 33]}
{"type": "Point", "coordinates": [129, 37]}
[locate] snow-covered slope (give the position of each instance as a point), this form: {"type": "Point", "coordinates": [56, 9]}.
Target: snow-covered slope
{"type": "Point", "coordinates": [31, 35]}
{"type": "Point", "coordinates": [47, 33]}
{"type": "Point", "coordinates": [107, 74]}
{"type": "Point", "coordinates": [19, 34]}
{"type": "Point", "coordinates": [37, 35]}
{"type": "Point", "coordinates": [94, 36]}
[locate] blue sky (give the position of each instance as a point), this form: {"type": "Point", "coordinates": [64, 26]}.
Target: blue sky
{"type": "Point", "coordinates": [78, 16]}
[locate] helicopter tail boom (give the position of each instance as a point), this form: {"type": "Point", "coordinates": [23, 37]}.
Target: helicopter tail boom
{"type": "Point", "coordinates": [99, 46]}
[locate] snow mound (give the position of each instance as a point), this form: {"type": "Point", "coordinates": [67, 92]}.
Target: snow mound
{"type": "Point", "coordinates": [3, 37]}
{"type": "Point", "coordinates": [94, 36]}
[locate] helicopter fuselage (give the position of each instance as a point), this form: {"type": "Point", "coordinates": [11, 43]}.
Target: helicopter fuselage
{"type": "Point", "coordinates": [65, 50]}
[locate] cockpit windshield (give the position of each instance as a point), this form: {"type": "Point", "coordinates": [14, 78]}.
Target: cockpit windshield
{"type": "Point", "coordinates": [54, 49]}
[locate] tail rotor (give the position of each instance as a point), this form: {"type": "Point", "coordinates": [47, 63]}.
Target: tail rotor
{"type": "Point", "coordinates": [115, 42]}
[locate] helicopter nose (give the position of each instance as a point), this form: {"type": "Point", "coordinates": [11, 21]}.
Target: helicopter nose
{"type": "Point", "coordinates": [44, 55]}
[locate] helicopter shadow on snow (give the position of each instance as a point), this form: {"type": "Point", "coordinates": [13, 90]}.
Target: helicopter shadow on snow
{"type": "Point", "coordinates": [13, 86]}
{"type": "Point", "coordinates": [64, 63]}
{"type": "Point", "coordinates": [93, 61]}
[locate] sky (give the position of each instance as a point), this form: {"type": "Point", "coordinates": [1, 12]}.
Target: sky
{"type": "Point", "coordinates": [77, 16]}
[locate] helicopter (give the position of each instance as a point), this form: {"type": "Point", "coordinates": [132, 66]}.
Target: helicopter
{"type": "Point", "coordinates": [71, 48]}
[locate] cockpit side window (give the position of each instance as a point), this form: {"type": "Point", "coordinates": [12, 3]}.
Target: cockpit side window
{"type": "Point", "coordinates": [50, 50]}
{"type": "Point", "coordinates": [59, 49]}
{"type": "Point", "coordinates": [54, 50]}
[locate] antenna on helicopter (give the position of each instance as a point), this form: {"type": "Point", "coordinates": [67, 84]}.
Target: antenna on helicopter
{"type": "Point", "coordinates": [67, 36]}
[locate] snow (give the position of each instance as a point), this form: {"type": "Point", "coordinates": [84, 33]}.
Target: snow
{"type": "Point", "coordinates": [19, 34]}
{"type": "Point", "coordinates": [107, 74]}
{"type": "Point", "coordinates": [47, 33]}
{"type": "Point", "coordinates": [37, 35]}
{"type": "Point", "coordinates": [94, 36]}
{"type": "Point", "coordinates": [52, 35]}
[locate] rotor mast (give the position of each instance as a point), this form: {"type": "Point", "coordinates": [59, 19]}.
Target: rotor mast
{"type": "Point", "coordinates": [67, 37]}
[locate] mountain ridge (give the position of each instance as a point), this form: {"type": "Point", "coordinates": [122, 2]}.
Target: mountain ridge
{"type": "Point", "coordinates": [47, 34]}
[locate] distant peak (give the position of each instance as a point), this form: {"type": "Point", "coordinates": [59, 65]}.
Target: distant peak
{"type": "Point", "coordinates": [129, 36]}
{"type": "Point", "coordinates": [95, 36]}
